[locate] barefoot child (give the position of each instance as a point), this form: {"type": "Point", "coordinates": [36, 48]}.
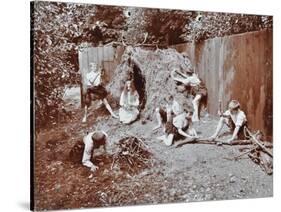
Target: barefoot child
{"type": "Point", "coordinates": [171, 109]}
{"type": "Point", "coordinates": [95, 91]}
{"type": "Point", "coordinates": [234, 118]}
{"type": "Point", "coordinates": [178, 127]}
{"type": "Point", "coordinates": [83, 150]}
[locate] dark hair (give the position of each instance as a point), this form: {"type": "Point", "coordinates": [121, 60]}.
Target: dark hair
{"type": "Point", "coordinates": [187, 108]}
{"type": "Point", "coordinates": [99, 139]}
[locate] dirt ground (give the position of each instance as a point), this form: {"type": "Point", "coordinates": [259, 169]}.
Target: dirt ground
{"type": "Point", "coordinates": [192, 172]}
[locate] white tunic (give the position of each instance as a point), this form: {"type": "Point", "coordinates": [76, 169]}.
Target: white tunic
{"type": "Point", "coordinates": [176, 108]}
{"type": "Point", "coordinates": [89, 144]}
{"type": "Point", "coordinates": [238, 119]}
{"type": "Point", "coordinates": [129, 107]}
{"type": "Point", "coordinates": [180, 121]}
{"type": "Point", "coordinates": [93, 78]}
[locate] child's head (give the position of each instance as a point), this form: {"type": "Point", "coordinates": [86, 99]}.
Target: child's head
{"type": "Point", "coordinates": [233, 106]}
{"type": "Point", "coordinates": [93, 67]}
{"type": "Point", "coordinates": [99, 139]}
{"type": "Point", "coordinates": [188, 109]}
{"type": "Point", "coordinates": [129, 85]}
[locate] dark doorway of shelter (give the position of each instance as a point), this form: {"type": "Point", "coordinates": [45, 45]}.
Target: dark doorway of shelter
{"type": "Point", "coordinates": [139, 82]}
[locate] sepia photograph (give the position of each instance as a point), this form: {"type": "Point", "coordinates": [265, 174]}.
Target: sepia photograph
{"type": "Point", "coordinates": [137, 106]}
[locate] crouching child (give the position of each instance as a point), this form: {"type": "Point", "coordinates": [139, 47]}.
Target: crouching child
{"type": "Point", "coordinates": [179, 127]}
{"type": "Point", "coordinates": [235, 119]}
{"type": "Point", "coordinates": [83, 150]}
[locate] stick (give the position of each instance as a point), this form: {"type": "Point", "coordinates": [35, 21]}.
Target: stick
{"type": "Point", "coordinates": [244, 153]}
{"type": "Point", "coordinates": [254, 139]}
{"type": "Point", "coordinates": [122, 43]}
{"type": "Point", "coordinates": [206, 141]}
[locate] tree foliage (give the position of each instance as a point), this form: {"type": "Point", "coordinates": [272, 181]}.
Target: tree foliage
{"type": "Point", "coordinates": [168, 27]}
{"type": "Point", "coordinates": [207, 25]}
{"type": "Point", "coordinates": [58, 29]}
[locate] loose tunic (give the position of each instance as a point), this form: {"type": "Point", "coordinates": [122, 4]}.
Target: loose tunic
{"type": "Point", "coordinates": [129, 107]}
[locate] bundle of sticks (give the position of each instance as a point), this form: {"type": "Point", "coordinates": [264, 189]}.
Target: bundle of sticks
{"type": "Point", "coordinates": [132, 155]}
{"type": "Point", "coordinates": [260, 152]}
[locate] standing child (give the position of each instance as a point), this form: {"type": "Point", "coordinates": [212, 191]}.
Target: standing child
{"type": "Point", "coordinates": [195, 87]}
{"type": "Point", "coordinates": [96, 91]}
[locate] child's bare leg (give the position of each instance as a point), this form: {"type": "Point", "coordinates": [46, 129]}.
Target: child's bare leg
{"type": "Point", "coordinates": [218, 129]}
{"type": "Point", "coordinates": [105, 102]}
{"type": "Point", "coordinates": [169, 114]}
{"type": "Point", "coordinates": [158, 118]}
{"type": "Point", "coordinates": [169, 140]}
{"type": "Point", "coordinates": [85, 114]}
{"type": "Point", "coordinates": [195, 103]}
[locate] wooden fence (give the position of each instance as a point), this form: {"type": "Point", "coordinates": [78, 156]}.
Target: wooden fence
{"type": "Point", "coordinates": [237, 67]}
{"type": "Point", "coordinates": [107, 57]}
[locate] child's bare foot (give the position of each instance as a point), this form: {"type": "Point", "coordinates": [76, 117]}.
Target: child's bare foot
{"type": "Point", "coordinates": [212, 138]}
{"type": "Point", "coordinates": [115, 116]}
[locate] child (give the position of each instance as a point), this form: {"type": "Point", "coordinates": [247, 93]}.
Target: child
{"type": "Point", "coordinates": [129, 102]}
{"type": "Point", "coordinates": [95, 91]}
{"type": "Point", "coordinates": [178, 127]}
{"type": "Point", "coordinates": [91, 141]}
{"type": "Point", "coordinates": [171, 109]}
{"type": "Point", "coordinates": [195, 87]}
{"type": "Point", "coordinates": [234, 118]}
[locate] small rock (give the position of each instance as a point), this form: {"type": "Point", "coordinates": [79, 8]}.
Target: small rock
{"type": "Point", "coordinates": [208, 189]}
{"type": "Point", "coordinates": [209, 196]}
{"type": "Point", "coordinates": [173, 192]}
{"type": "Point", "coordinates": [57, 186]}
{"type": "Point", "coordinates": [232, 179]}
{"type": "Point", "coordinates": [194, 187]}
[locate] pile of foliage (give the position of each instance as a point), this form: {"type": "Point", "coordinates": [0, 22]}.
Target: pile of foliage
{"type": "Point", "coordinates": [132, 155]}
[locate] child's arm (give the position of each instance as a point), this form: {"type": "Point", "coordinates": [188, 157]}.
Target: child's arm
{"type": "Point", "coordinates": [234, 135]}
{"type": "Point", "coordinates": [193, 132]}
{"type": "Point", "coordinates": [122, 99]}
{"type": "Point", "coordinates": [181, 132]}
{"type": "Point", "coordinates": [136, 100]}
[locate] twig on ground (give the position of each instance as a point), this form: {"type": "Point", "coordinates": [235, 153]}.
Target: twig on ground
{"type": "Point", "coordinates": [255, 140]}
